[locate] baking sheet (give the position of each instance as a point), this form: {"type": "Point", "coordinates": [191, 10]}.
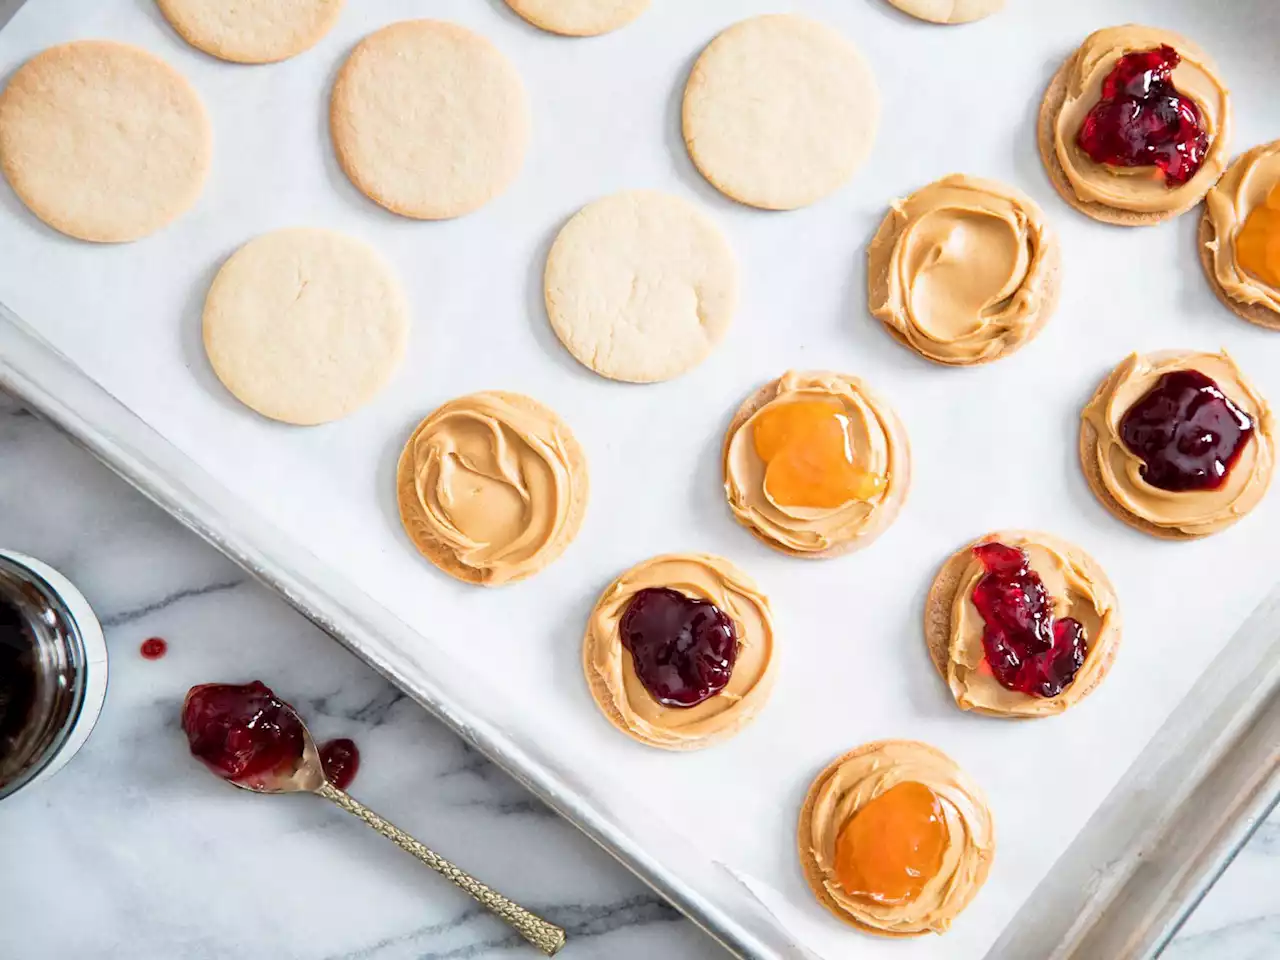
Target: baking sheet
{"type": "Point", "coordinates": [853, 663]}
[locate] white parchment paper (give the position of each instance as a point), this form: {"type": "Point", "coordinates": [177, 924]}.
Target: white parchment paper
{"type": "Point", "coordinates": [994, 447]}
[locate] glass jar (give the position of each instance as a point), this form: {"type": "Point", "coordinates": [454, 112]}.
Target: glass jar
{"type": "Point", "coordinates": [53, 671]}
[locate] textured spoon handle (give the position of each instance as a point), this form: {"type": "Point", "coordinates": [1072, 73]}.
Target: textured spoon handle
{"type": "Point", "coordinates": [547, 937]}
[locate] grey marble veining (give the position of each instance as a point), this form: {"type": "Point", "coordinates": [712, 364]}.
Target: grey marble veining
{"type": "Point", "coordinates": [134, 852]}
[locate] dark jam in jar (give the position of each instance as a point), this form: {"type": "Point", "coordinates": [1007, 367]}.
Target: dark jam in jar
{"type": "Point", "coordinates": [17, 675]}
{"type": "Point", "coordinates": [242, 733]}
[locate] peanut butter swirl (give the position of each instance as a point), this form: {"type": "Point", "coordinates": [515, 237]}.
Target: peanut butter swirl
{"type": "Point", "coordinates": [1194, 513]}
{"type": "Point", "coordinates": [492, 487]}
{"type": "Point", "coordinates": [858, 778]}
{"type": "Point", "coordinates": [880, 448]}
{"type": "Point", "coordinates": [611, 671]}
{"type": "Point", "coordinates": [1139, 189]}
{"type": "Point", "coordinates": [1242, 188]}
{"type": "Point", "coordinates": [964, 270]}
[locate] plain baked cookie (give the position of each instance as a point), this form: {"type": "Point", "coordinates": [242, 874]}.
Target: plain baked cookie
{"type": "Point", "coordinates": [640, 286]}
{"type": "Point", "coordinates": [252, 31]}
{"type": "Point", "coordinates": [877, 439]}
{"type": "Point", "coordinates": [852, 781]}
{"type": "Point", "coordinates": [780, 111]}
{"type": "Point", "coordinates": [103, 141]}
{"type": "Point", "coordinates": [1084, 579]}
{"type": "Point", "coordinates": [949, 11]}
{"type": "Point", "coordinates": [579, 18]}
{"type": "Point", "coordinates": [305, 326]}
{"type": "Point", "coordinates": [492, 487]}
{"type": "Point", "coordinates": [610, 667]}
{"type": "Point", "coordinates": [429, 119]}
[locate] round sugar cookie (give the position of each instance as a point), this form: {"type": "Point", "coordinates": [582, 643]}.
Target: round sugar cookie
{"type": "Point", "coordinates": [305, 325]}
{"type": "Point", "coordinates": [640, 286]}
{"type": "Point", "coordinates": [103, 141]}
{"type": "Point", "coordinates": [429, 119]}
{"type": "Point", "coordinates": [949, 11]}
{"type": "Point", "coordinates": [252, 31]}
{"type": "Point", "coordinates": [780, 111]}
{"type": "Point", "coordinates": [579, 18]}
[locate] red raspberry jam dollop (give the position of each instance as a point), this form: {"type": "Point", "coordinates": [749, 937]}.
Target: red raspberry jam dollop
{"type": "Point", "coordinates": [683, 649]}
{"type": "Point", "coordinates": [1186, 431]}
{"type": "Point", "coordinates": [1142, 120]}
{"type": "Point", "coordinates": [341, 761]}
{"type": "Point", "coordinates": [1027, 649]}
{"type": "Point", "coordinates": [242, 733]}
{"type": "Point", "coordinates": [153, 648]}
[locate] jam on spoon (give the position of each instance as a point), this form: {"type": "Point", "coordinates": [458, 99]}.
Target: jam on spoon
{"type": "Point", "coordinates": [683, 649]}
{"type": "Point", "coordinates": [891, 847]}
{"type": "Point", "coordinates": [340, 760]}
{"type": "Point", "coordinates": [1186, 431]}
{"type": "Point", "coordinates": [1142, 120]}
{"type": "Point", "coordinates": [245, 734]}
{"type": "Point", "coordinates": [1027, 648]}
{"type": "Point", "coordinates": [805, 444]}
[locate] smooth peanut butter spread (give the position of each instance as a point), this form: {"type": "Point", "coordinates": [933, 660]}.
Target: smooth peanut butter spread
{"type": "Point", "coordinates": [851, 783]}
{"type": "Point", "coordinates": [1139, 189]}
{"type": "Point", "coordinates": [963, 270]}
{"type": "Point", "coordinates": [1242, 189]}
{"type": "Point", "coordinates": [879, 449]}
{"type": "Point", "coordinates": [492, 487]}
{"type": "Point", "coordinates": [611, 671]}
{"type": "Point", "coordinates": [1194, 512]}
{"type": "Point", "coordinates": [1077, 589]}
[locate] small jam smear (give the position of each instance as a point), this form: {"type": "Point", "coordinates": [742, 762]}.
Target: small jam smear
{"type": "Point", "coordinates": [1258, 242]}
{"type": "Point", "coordinates": [341, 761]}
{"type": "Point", "coordinates": [805, 444]}
{"type": "Point", "coordinates": [242, 733]}
{"type": "Point", "coordinates": [1142, 120]}
{"type": "Point", "coordinates": [1027, 649]}
{"type": "Point", "coordinates": [683, 649]}
{"type": "Point", "coordinates": [1187, 432]}
{"type": "Point", "coordinates": [893, 846]}
{"type": "Point", "coordinates": [153, 648]}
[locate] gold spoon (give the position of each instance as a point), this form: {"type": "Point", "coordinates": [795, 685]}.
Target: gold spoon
{"type": "Point", "coordinates": [308, 777]}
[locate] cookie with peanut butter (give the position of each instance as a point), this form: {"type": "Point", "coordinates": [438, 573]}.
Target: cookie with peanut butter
{"type": "Point", "coordinates": [977, 640]}
{"type": "Point", "coordinates": [679, 651]}
{"type": "Point", "coordinates": [1159, 178]}
{"type": "Point", "coordinates": [895, 839]}
{"type": "Point", "coordinates": [963, 271]}
{"type": "Point", "coordinates": [816, 464]}
{"type": "Point", "coordinates": [1238, 236]}
{"type": "Point", "coordinates": [492, 487]}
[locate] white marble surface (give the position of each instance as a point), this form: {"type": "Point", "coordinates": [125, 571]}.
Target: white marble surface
{"type": "Point", "coordinates": [133, 851]}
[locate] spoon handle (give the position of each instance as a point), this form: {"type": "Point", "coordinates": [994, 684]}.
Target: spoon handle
{"type": "Point", "coordinates": [546, 936]}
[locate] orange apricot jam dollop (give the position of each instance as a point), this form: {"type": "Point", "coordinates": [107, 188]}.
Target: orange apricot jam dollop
{"type": "Point", "coordinates": [1258, 243]}
{"type": "Point", "coordinates": [893, 846]}
{"type": "Point", "coordinates": [809, 457]}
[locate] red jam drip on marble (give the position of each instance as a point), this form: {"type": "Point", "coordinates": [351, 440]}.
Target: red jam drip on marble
{"type": "Point", "coordinates": [1142, 120]}
{"type": "Point", "coordinates": [341, 762]}
{"type": "Point", "coordinates": [18, 659]}
{"type": "Point", "coordinates": [242, 733]}
{"type": "Point", "coordinates": [153, 648]}
{"type": "Point", "coordinates": [683, 649]}
{"type": "Point", "coordinates": [1027, 649]}
{"type": "Point", "coordinates": [1187, 432]}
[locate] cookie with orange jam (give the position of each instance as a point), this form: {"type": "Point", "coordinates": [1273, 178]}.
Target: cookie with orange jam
{"type": "Point", "coordinates": [1240, 236]}
{"type": "Point", "coordinates": [816, 464]}
{"type": "Point", "coordinates": [895, 839]}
